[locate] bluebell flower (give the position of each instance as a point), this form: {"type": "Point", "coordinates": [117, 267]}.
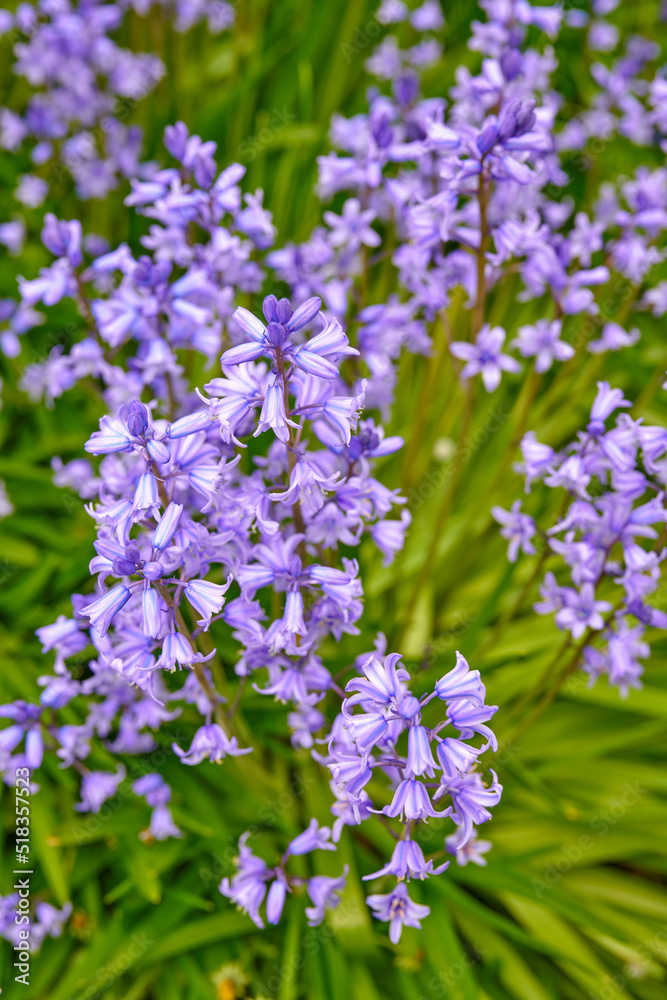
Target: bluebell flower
{"type": "Point", "coordinates": [207, 598]}
{"type": "Point", "coordinates": [408, 861]}
{"type": "Point", "coordinates": [25, 724]}
{"type": "Point", "coordinates": [420, 758]}
{"type": "Point", "coordinates": [485, 356]}
{"type": "Point", "coordinates": [411, 801]}
{"type": "Point", "coordinates": [472, 851]}
{"type": "Point", "coordinates": [102, 611]}
{"type": "Point", "coordinates": [210, 742]}
{"type": "Point", "coordinates": [161, 826]}
{"type": "Point", "coordinates": [167, 526]}
{"type": "Point", "coordinates": [247, 888]}
{"type": "Point", "coordinates": [461, 682]}
{"type": "Point", "coordinates": [324, 893]}
{"type": "Point", "coordinates": [397, 908]}
{"type": "Point", "coordinates": [470, 717]}
{"type": "Point", "coordinates": [471, 800]}
{"type": "Point", "coordinates": [518, 528]}
{"type": "Point", "coordinates": [315, 837]}
{"type": "Point", "coordinates": [97, 787]}
{"type": "Point", "coordinates": [275, 900]}
{"type": "Point", "coordinates": [274, 340]}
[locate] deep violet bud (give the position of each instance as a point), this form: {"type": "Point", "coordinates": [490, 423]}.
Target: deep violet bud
{"type": "Point", "coordinates": [137, 418]}
{"type": "Point", "coordinates": [487, 139]}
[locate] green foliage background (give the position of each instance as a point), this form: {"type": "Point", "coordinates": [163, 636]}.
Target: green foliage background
{"type": "Point", "coordinates": [572, 903]}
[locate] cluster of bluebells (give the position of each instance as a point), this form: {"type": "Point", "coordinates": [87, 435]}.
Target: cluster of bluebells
{"type": "Point", "coordinates": [82, 87]}
{"type": "Point", "coordinates": [609, 536]}
{"type": "Point", "coordinates": [196, 528]}
{"type": "Point", "coordinates": [381, 730]}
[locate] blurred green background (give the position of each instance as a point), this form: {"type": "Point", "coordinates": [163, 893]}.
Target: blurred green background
{"type": "Point", "coordinates": [572, 903]}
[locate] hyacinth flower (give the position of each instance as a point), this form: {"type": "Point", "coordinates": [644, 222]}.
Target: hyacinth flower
{"type": "Point", "coordinates": [399, 910]}
{"type": "Point", "coordinates": [274, 340]}
{"type": "Point", "coordinates": [485, 357]}
{"type": "Point", "coordinates": [248, 886]}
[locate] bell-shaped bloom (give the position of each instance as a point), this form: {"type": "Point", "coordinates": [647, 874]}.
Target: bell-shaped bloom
{"type": "Point", "coordinates": [411, 801]}
{"type": "Point", "coordinates": [315, 837]}
{"type": "Point", "coordinates": [97, 787]}
{"type": "Point", "coordinates": [151, 618]}
{"type": "Point", "coordinates": [210, 742]}
{"type": "Point", "coordinates": [207, 598]}
{"type": "Point", "coordinates": [167, 526]}
{"type": "Point", "coordinates": [461, 682]}
{"type": "Point", "coordinates": [102, 611]}
{"type": "Point", "coordinates": [408, 862]}
{"type": "Point", "coordinates": [420, 758]}
{"type": "Point", "coordinates": [397, 908]}
{"type": "Point", "coordinates": [276, 900]}
{"type": "Point", "coordinates": [324, 893]}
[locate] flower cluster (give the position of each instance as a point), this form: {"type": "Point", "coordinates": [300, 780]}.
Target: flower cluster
{"type": "Point", "coordinates": [390, 734]}
{"type": "Point", "coordinates": [608, 535]}
{"type": "Point", "coordinates": [242, 505]}
{"type": "Point", "coordinates": [82, 87]}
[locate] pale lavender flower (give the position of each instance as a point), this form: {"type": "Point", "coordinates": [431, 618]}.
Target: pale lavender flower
{"type": "Point", "coordinates": [397, 908]}
{"type": "Point", "coordinates": [542, 341]}
{"type": "Point", "coordinates": [485, 356]}
{"type": "Point", "coordinates": [519, 529]}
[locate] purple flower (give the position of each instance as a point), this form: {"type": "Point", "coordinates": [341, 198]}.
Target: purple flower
{"type": "Point", "coordinates": [613, 338]}
{"type": "Point", "coordinates": [206, 598]}
{"type": "Point", "coordinates": [411, 801]}
{"type": "Point", "coordinates": [472, 851]}
{"type": "Point", "coordinates": [485, 356]}
{"type": "Point", "coordinates": [472, 801]}
{"type": "Point", "coordinates": [324, 893]}
{"type": "Point", "coordinates": [102, 611]}
{"type": "Point", "coordinates": [316, 837]}
{"type": "Point", "coordinates": [210, 742]}
{"type": "Point", "coordinates": [247, 887]}
{"type": "Point", "coordinates": [276, 899]}
{"type": "Point", "coordinates": [408, 862]}
{"type": "Point", "coordinates": [581, 611]}
{"type": "Point", "coordinates": [461, 682]}
{"type": "Point", "coordinates": [274, 340]}
{"type": "Point", "coordinates": [542, 341]}
{"type": "Point", "coordinates": [519, 529]}
{"type": "Point", "coordinates": [97, 787]}
{"type": "Point", "coordinates": [397, 908]}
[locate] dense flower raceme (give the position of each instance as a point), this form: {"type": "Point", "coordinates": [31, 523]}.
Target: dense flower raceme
{"type": "Point", "coordinates": [389, 734]}
{"type": "Point", "coordinates": [610, 535]}
{"type": "Point", "coordinates": [192, 531]}
{"type": "Point", "coordinates": [174, 508]}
